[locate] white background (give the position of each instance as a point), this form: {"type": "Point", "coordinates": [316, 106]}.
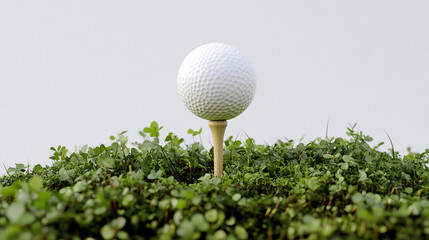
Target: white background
{"type": "Point", "coordinates": [76, 72]}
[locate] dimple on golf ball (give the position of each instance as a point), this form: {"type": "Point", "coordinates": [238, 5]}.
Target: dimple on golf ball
{"type": "Point", "coordinates": [216, 81]}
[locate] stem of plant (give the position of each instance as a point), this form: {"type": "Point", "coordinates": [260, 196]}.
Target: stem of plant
{"type": "Point", "coordinates": [218, 130]}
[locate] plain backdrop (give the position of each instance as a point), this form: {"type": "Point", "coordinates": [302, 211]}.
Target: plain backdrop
{"type": "Point", "coordinates": [76, 72]}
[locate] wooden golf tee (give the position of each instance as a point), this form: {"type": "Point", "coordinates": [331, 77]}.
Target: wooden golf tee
{"type": "Point", "coordinates": [218, 130]}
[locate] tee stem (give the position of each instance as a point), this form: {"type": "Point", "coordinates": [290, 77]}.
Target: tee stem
{"type": "Point", "coordinates": [218, 130]}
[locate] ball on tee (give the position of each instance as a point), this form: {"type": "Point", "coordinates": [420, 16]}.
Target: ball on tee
{"type": "Point", "coordinates": [216, 81]}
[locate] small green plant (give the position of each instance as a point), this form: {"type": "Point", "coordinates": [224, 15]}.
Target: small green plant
{"type": "Point", "coordinates": [331, 188]}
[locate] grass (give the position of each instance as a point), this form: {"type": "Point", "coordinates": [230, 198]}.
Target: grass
{"type": "Point", "coordinates": [330, 188]}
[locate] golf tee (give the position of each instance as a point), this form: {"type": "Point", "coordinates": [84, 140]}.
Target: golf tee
{"type": "Point", "coordinates": [218, 130]}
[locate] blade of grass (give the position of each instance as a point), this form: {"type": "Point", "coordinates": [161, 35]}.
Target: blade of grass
{"type": "Point", "coordinates": [391, 144]}
{"type": "Point", "coordinates": [5, 169]}
{"type": "Point", "coordinates": [326, 130]}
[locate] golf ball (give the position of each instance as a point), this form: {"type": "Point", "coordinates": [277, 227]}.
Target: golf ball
{"type": "Point", "coordinates": [216, 81]}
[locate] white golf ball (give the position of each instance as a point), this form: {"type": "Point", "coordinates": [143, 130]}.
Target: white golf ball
{"type": "Point", "coordinates": [216, 81]}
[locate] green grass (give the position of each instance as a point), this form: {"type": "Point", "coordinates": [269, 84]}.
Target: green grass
{"type": "Point", "coordinates": [331, 188]}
